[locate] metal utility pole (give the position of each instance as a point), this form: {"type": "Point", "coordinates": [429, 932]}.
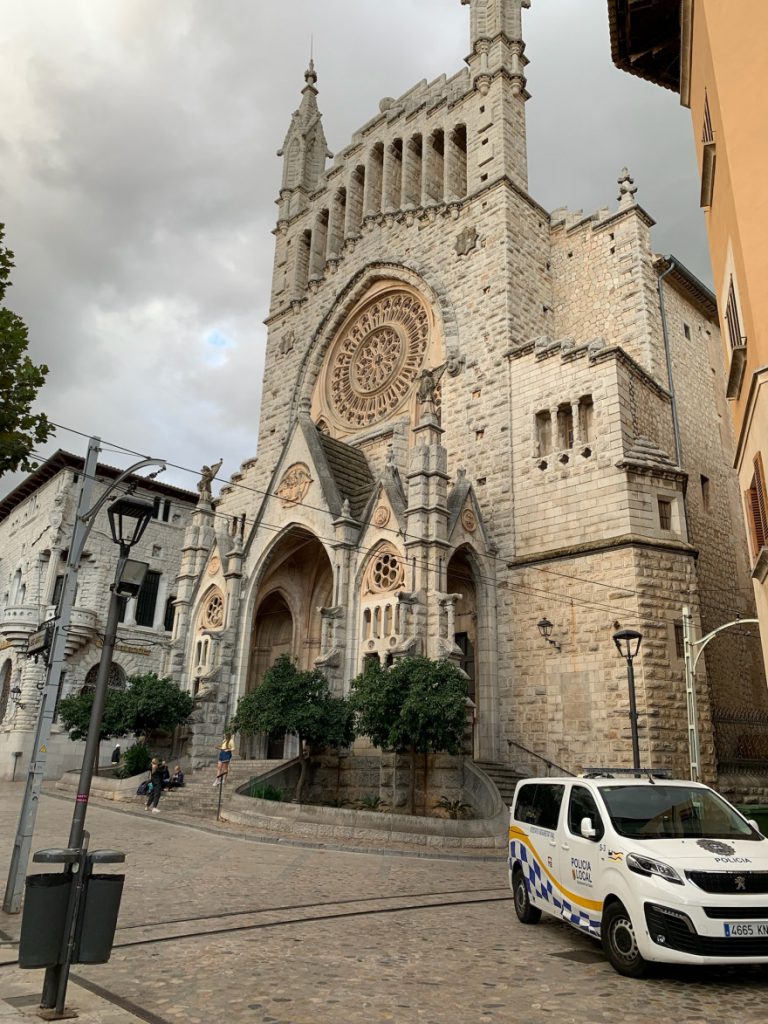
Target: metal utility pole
{"type": "Point", "coordinates": [691, 661]}
{"type": "Point", "coordinates": [23, 842]}
{"type": "Point", "coordinates": [84, 520]}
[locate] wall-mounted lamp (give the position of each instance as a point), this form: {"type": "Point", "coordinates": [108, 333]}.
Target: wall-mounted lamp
{"type": "Point", "coordinates": [545, 628]}
{"type": "Point", "coordinates": [15, 696]}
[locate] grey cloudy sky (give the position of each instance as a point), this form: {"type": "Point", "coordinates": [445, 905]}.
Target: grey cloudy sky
{"type": "Point", "coordinates": [138, 174]}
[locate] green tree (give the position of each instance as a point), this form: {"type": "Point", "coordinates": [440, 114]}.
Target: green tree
{"type": "Point", "coordinates": [289, 700]}
{"type": "Point", "coordinates": [416, 706]}
{"type": "Point", "coordinates": [155, 704]}
{"type": "Point", "coordinates": [20, 380]}
{"type": "Point", "coordinates": [75, 716]}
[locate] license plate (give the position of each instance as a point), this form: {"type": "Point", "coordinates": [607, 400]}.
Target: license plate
{"type": "Point", "coordinates": [746, 929]}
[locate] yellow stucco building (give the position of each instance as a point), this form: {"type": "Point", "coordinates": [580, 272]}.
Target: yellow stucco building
{"type": "Point", "coordinates": [713, 54]}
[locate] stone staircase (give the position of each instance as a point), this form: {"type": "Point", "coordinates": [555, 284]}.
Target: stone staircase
{"type": "Point", "coordinates": [200, 797]}
{"type": "Point", "coordinates": [504, 777]}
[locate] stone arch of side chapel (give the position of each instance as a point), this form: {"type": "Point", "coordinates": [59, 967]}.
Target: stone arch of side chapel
{"type": "Point", "coordinates": [475, 631]}
{"type": "Point", "coordinates": [353, 293]}
{"type": "Point", "coordinates": [293, 580]}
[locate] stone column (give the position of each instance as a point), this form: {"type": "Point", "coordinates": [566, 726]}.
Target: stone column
{"type": "Point", "coordinates": [387, 175]}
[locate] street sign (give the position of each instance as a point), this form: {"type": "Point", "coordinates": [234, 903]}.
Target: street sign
{"type": "Point", "coordinates": [39, 641]}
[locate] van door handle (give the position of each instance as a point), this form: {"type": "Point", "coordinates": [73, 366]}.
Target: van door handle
{"type": "Point", "coordinates": [564, 846]}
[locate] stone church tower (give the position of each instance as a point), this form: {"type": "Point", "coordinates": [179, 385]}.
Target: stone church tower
{"type": "Point", "coordinates": [476, 414]}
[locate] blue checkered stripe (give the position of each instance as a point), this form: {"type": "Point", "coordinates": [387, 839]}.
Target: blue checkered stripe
{"type": "Point", "coordinates": [541, 887]}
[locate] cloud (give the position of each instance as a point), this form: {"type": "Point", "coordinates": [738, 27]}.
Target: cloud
{"type": "Point", "coordinates": [139, 178]}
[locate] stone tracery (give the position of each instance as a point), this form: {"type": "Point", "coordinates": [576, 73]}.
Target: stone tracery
{"type": "Point", "coordinates": [377, 358]}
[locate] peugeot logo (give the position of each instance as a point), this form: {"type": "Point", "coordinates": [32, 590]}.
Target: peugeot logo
{"type": "Point", "coordinates": [741, 883]}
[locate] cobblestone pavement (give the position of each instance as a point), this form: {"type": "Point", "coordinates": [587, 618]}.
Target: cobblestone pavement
{"type": "Point", "coordinates": [215, 928]}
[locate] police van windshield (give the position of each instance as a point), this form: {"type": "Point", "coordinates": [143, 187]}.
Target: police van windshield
{"type": "Point", "coordinates": [673, 812]}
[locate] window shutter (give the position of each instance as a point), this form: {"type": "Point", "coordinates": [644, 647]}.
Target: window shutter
{"type": "Point", "coordinates": [756, 533]}
{"type": "Point", "coordinates": [759, 485]}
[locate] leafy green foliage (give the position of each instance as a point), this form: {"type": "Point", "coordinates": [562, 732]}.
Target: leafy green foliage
{"type": "Point", "coordinates": [20, 380]}
{"type": "Point", "coordinates": [417, 704]}
{"type": "Point", "coordinates": [148, 705]}
{"type": "Point", "coordinates": [455, 809]}
{"type": "Point", "coordinates": [291, 700]}
{"type": "Point", "coordinates": [136, 760]}
{"type": "Point", "coordinates": [156, 704]}
{"type": "Point", "coordinates": [75, 715]}
{"type": "Point", "coordinates": [264, 791]}
{"type": "Point", "coordinates": [372, 802]}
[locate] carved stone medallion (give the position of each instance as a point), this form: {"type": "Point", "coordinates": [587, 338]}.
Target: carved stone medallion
{"type": "Point", "coordinates": [214, 565]}
{"type": "Point", "coordinates": [469, 520]}
{"type": "Point", "coordinates": [377, 358]}
{"type": "Point", "coordinates": [294, 484]}
{"type": "Point", "coordinates": [381, 516]}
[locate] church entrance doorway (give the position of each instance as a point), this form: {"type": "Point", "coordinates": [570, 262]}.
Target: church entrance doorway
{"type": "Point", "coordinates": [461, 580]}
{"type": "Point", "coordinates": [297, 581]}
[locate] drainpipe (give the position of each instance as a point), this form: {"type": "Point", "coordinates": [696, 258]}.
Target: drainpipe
{"type": "Point", "coordinates": [675, 421]}
{"type": "Point", "coordinates": [671, 383]}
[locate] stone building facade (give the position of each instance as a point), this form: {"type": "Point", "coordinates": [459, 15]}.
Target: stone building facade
{"type": "Point", "coordinates": [475, 414]}
{"type": "Point", "coordinates": [36, 523]}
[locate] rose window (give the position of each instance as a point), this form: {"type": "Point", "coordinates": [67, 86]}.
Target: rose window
{"type": "Point", "coordinates": [386, 571]}
{"type": "Point", "coordinates": [377, 359]}
{"type": "Point", "coordinates": [213, 616]}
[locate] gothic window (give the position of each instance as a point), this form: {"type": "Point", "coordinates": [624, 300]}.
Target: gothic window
{"type": "Point", "coordinates": [435, 167]}
{"type": "Point", "coordinates": [355, 195]}
{"type": "Point", "coordinates": [213, 613]}
{"type": "Point", "coordinates": [679, 641]}
{"type": "Point", "coordinates": [456, 163]}
{"type": "Point", "coordinates": [544, 432]}
{"type": "Point", "coordinates": [5, 687]}
{"type": "Point", "coordinates": [318, 244]}
{"type": "Point", "coordinates": [391, 201]}
{"type": "Point", "coordinates": [374, 179]}
{"type": "Point", "coordinates": [564, 426]}
{"type": "Point", "coordinates": [412, 171]}
{"type": "Point", "coordinates": [336, 228]}
{"type": "Point", "coordinates": [385, 572]}
{"type": "Point", "coordinates": [585, 418]}
{"type": "Point", "coordinates": [58, 586]}
{"type": "Point", "coordinates": [303, 255]}
{"type": "Point", "coordinates": [115, 680]}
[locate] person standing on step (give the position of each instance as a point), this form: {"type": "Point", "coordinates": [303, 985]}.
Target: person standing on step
{"type": "Point", "coordinates": [226, 749]}
{"type": "Point", "coordinates": [156, 785]}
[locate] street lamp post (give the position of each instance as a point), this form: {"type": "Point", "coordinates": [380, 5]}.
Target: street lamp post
{"type": "Point", "coordinates": [128, 519]}
{"type": "Point", "coordinates": [628, 643]}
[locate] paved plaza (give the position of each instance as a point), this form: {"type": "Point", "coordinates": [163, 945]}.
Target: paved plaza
{"type": "Point", "coordinates": [215, 927]}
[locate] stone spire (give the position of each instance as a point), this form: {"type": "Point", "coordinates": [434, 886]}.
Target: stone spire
{"type": "Point", "coordinates": [305, 149]}
{"type": "Point", "coordinates": [496, 37]}
{"type": "Point", "coordinates": [627, 189]}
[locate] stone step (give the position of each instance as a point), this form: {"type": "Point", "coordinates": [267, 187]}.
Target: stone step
{"type": "Point", "coordinates": [504, 777]}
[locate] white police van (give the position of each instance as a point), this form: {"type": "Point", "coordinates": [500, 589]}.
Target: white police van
{"type": "Point", "coordinates": [657, 869]}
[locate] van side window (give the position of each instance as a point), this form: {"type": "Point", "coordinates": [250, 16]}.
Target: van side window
{"type": "Point", "coordinates": [582, 805]}
{"type": "Point", "coordinates": [539, 804]}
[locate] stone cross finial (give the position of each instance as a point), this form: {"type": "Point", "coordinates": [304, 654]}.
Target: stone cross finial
{"type": "Point", "coordinates": [627, 189]}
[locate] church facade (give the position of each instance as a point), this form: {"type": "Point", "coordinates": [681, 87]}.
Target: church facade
{"type": "Point", "coordinates": [476, 414]}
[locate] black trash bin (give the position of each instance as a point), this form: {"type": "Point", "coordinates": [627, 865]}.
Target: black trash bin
{"type": "Point", "coordinates": [99, 918]}
{"type": "Point", "coordinates": [42, 923]}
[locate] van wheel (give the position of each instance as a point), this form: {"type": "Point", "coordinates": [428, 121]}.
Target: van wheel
{"type": "Point", "coordinates": [526, 913]}
{"type": "Point", "coordinates": [620, 944]}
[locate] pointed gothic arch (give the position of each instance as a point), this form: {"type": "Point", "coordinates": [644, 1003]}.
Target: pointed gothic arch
{"type": "Point", "coordinates": [474, 635]}
{"type": "Point", "coordinates": [352, 295]}
{"type": "Point", "coordinates": [5, 687]}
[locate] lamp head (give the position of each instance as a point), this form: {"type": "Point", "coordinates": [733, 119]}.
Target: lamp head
{"type": "Point", "coordinates": [15, 695]}
{"type": "Point", "coordinates": [628, 643]}
{"type": "Point", "coordinates": [545, 628]}
{"type": "Point", "coordinates": [128, 519]}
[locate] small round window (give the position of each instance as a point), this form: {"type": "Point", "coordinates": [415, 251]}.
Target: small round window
{"type": "Point", "coordinates": [386, 571]}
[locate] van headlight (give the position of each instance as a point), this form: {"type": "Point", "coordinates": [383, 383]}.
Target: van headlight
{"type": "Point", "coordinates": [642, 865]}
